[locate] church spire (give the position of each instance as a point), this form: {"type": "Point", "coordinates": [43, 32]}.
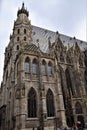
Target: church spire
{"type": "Point", "coordinates": [23, 11]}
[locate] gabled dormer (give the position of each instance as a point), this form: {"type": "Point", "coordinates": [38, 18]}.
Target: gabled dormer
{"type": "Point", "coordinates": [57, 48]}
{"type": "Point", "coordinates": [78, 55]}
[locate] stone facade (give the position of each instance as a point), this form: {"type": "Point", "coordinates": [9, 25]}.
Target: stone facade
{"type": "Point", "coordinates": [44, 81]}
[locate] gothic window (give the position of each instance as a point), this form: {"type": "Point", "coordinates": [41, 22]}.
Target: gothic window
{"type": "Point", "coordinates": [69, 82]}
{"type": "Point", "coordinates": [49, 68]}
{"type": "Point", "coordinates": [34, 67]}
{"type": "Point", "coordinates": [43, 67]}
{"type": "Point", "coordinates": [18, 31]}
{"type": "Point", "coordinates": [24, 38]}
{"type": "Point", "coordinates": [32, 104]}
{"type": "Point", "coordinates": [27, 65]}
{"type": "Point", "coordinates": [17, 38]}
{"type": "Point", "coordinates": [24, 31]}
{"type": "Point", "coordinates": [78, 108]}
{"type": "Point", "coordinates": [50, 103]}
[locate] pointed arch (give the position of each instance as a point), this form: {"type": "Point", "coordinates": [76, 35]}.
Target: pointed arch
{"type": "Point", "coordinates": [78, 108]}
{"type": "Point", "coordinates": [50, 103]}
{"type": "Point", "coordinates": [27, 65]}
{"type": "Point", "coordinates": [34, 66]}
{"type": "Point", "coordinates": [32, 103]}
{"type": "Point", "coordinates": [43, 67]}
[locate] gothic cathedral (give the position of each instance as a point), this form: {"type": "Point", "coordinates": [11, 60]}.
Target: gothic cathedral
{"type": "Point", "coordinates": [44, 79]}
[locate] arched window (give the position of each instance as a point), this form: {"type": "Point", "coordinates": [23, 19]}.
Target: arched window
{"type": "Point", "coordinates": [34, 67]}
{"type": "Point", "coordinates": [49, 68]}
{"type": "Point", "coordinates": [24, 31]}
{"type": "Point", "coordinates": [27, 65]}
{"type": "Point", "coordinates": [18, 38]}
{"type": "Point", "coordinates": [78, 108]}
{"type": "Point", "coordinates": [18, 31]}
{"type": "Point", "coordinates": [24, 38]}
{"type": "Point", "coordinates": [50, 103]}
{"type": "Point", "coordinates": [17, 47]}
{"type": "Point", "coordinates": [43, 67]}
{"type": "Point", "coordinates": [32, 106]}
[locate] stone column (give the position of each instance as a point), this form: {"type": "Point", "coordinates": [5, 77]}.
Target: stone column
{"type": "Point", "coordinates": [60, 106]}
{"type": "Point", "coordinates": [44, 104]}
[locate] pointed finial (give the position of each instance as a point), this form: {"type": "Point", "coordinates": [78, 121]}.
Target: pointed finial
{"type": "Point", "coordinates": [57, 32]}
{"type": "Point", "coordinates": [56, 36]}
{"type": "Point", "coordinates": [23, 5]}
{"type": "Point", "coordinates": [74, 38]}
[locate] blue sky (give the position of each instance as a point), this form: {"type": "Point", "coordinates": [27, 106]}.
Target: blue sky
{"type": "Point", "coordinates": [65, 16]}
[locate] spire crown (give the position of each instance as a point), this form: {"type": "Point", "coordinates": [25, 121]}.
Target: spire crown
{"type": "Point", "coordinates": [23, 10]}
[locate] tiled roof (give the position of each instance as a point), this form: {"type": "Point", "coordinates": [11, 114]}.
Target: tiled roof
{"type": "Point", "coordinates": [31, 47]}
{"type": "Point", "coordinates": [41, 35]}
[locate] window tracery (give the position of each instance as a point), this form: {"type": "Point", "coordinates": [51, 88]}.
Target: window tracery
{"type": "Point", "coordinates": [50, 104]}
{"type": "Point", "coordinates": [27, 65]}
{"type": "Point", "coordinates": [32, 103]}
{"type": "Point", "coordinates": [34, 67]}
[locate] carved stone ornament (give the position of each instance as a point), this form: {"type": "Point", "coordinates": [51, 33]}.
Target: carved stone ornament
{"type": "Point", "coordinates": [17, 94]}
